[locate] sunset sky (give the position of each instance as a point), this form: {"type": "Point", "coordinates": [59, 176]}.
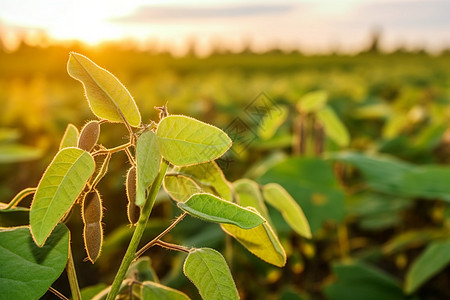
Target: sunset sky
{"type": "Point", "coordinates": [311, 25]}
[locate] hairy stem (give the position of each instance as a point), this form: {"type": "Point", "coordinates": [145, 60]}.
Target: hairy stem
{"type": "Point", "coordinates": [138, 232]}
{"type": "Point", "coordinates": [172, 246]}
{"type": "Point", "coordinates": [22, 194]}
{"type": "Point", "coordinates": [72, 276]}
{"type": "Point", "coordinates": [155, 240]}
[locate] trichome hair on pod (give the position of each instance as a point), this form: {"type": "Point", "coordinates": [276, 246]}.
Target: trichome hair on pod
{"type": "Point", "coordinates": [89, 136]}
{"type": "Point", "coordinates": [133, 211]}
{"type": "Point", "coordinates": [92, 213]}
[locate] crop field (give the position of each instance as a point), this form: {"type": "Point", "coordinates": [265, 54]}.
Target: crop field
{"type": "Point", "coordinates": [361, 143]}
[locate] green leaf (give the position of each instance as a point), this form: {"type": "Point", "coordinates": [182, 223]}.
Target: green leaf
{"type": "Point", "coordinates": [250, 195]}
{"type": "Point", "coordinates": [27, 271]}
{"type": "Point", "coordinates": [333, 126]}
{"type": "Point", "coordinates": [279, 198]}
{"type": "Point", "coordinates": [58, 189]}
{"type": "Point", "coordinates": [90, 292]}
{"type": "Point", "coordinates": [180, 187]}
{"type": "Point", "coordinates": [141, 270]}
{"type": "Point", "coordinates": [357, 280]}
{"type": "Point", "coordinates": [312, 101]}
{"type": "Point", "coordinates": [433, 260]}
{"type": "Point", "coordinates": [210, 208]}
{"type": "Point", "coordinates": [261, 241]}
{"type": "Point", "coordinates": [107, 96]}
{"type": "Point", "coordinates": [154, 291]}
{"type": "Point", "coordinates": [70, 137]}
{"type": "Point", "coordinates": [209, 177]}
{"type": "Point", "coordinates": [271, 122]}
{"type": "Point", "coordinates": [12, 153]}
{"type": "Point", "coordinates": [148, 161]}
{"type": "Point", "coordinates": [186, 141]}
{"type": "Point", "coordinates": [312, 184]}
{"type": "Point", "coordinates": [390, 175]}
{"type": "Point", "coordinates": [412, 239]}
{"type": "Point", "coordinates": [208, 270]}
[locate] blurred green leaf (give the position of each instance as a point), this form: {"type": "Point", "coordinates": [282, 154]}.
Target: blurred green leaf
{"type": "Point", "coordinates": [12, 153]}
{"type": "Point", "coordinates": [279, 198]}
{"type": "Point", "coordinates": [148, 160]}
{"type": "Point", "coordinates": [210, 208]}
{"type": "Point", "coordinates": [141, 270]}
{"type": "Point", "coordinates": [312, 101]}
{"type": "Point", "coordinates": [270, 123]}
{"type": "Point", "coordinates": [107, 96]}
{"type": "Point", "coordinates": [186, 141]}
{"type": "Point", "coordinates": [58, 189]}
{"type": "Point", "coordinates": [333, 126]}
{"type": "Point", "coordinates": [180, 187]}
{"type": "Point", "coordinates": [208, 270]}
{"type": "Point", "coordinates": [357, 280]}
{"type": "Point", "coordinates": [433, 260]}
{"type": "Point", "coordinates": [389, 175]}
{"type": "Point", "coordinates": [90, 292]}
{"type": "Point", "coordinates": [27, 271]}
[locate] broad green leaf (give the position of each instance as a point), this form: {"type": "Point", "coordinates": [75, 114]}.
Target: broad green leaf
{"type": "Point", "coordinates": [333, 126]}
{"type": "Point", "coordinates": [261, 241]}
{"type": "Point", "coordinates": [141, 270]}
{"type": "Point", "coordinates": [88, 293]}
{"type": "Point", "coordinates": [390, 175]}
{"type": "Point", "coordinates": [279, 198]}
{"type": "Point", "coordinates": [272, 121]}
{"type": "Point", "coordinates": [27, 271]}
{"type": "Point", "coordinates": [209, 177]}
{"type": "Point", "coordinates": [148, 161]}
{"type": "Point", "coordinates": [208, 270]}
{"type": "Point", "coordinates": [312, 184]}
{"type": "Point", "coordinates": [107, 96]}
{"type": "Point", "coordinates": [357, 280]}
{"type": "Point", "coordinates": [180, 187]}
{"type": "Point", "coordinates": [155, 291]}
{"type": "Point", "coordinates": [186, 141]}
{"type": "Point", "coordinates": [58, 189]}
{"type": "Point", "coordinates": [70, 137]}
{"type": "Point", "coordinates": [210, 208]}
{"type": "Point", "coordinates": [312, 102]}
{"type": "Point", "coordinates": [12, 153]}
{"type": "Point", "coordinates": [433, 260]}
{"type": "Point", "coordinates": [250, 195]}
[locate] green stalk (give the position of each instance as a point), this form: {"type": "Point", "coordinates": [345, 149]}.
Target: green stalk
{"type": "Point", "coordinates": [72, 276]}
{"type": "Point", "coordinates": [138, 232]}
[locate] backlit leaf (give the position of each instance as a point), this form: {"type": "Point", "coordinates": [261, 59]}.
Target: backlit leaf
{"type": "Point", "coordinates": [186, 141]}
{"type": "Point", "coordinates": [58, 189]}
{"type": "Point", "coordinates": [209, 271]}
{"type": "Point", "coordinates": [12, 153]}
{"type": "Point", "coordinates": [279, 198]}
{"type": "Point", "coordinates": [107, 96]}
{"type": "Point", "coordinates": [210, 208]}
{"type": "Point", "coordinates": [209, 177]}
{"type": "Point", "coordinates": [152, 291]}
{"type": "Point", "coordinates": [261, 241]}
{"type": "Point", "coordinates": [333, 126]}
{"type": "Point", "coordinates": [433, 260]}
{"type": "Point", "coordinates": [250, 195]}
{"type": "Point", "coordinates": [70, 137]}
{"type": "Point", "coordinates": [272, 121]}
{"type": "Point", "coordinates": [27, 271]}
{"type": "Point", "coordinates": [180, 187]}
{"type": "Point", "coordinates": [148, 161]}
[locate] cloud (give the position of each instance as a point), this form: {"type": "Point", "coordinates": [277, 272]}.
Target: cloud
{"type": "Point", "coordinates": [162, 13]}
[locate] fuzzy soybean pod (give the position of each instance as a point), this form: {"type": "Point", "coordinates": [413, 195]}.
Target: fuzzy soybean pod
{"type": "Point", "coordinates": [92, 213]}
{"type": "Point", "coordinates": [89, 136]}
{"type": "Point", "coordinates": [133, 211]}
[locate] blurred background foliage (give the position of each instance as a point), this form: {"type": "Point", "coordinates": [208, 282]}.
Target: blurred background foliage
{"type": "Point", "coordinates": [375, 187]}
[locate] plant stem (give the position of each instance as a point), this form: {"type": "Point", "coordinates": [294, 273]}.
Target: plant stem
{"type": "Point", "coordinates": [172, 246]}
{"type": "Point", "coordinates": [138, 232]}
{"type": "Point", "coordinates": [22, 194]}
{"type": "Point", "coordinates": [155, 240]}
{"type": "Point", "coordinates": [72, 276]}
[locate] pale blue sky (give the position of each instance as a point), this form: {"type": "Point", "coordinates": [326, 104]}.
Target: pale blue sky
{"type": "Point", "coordinates": [312, 25]}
